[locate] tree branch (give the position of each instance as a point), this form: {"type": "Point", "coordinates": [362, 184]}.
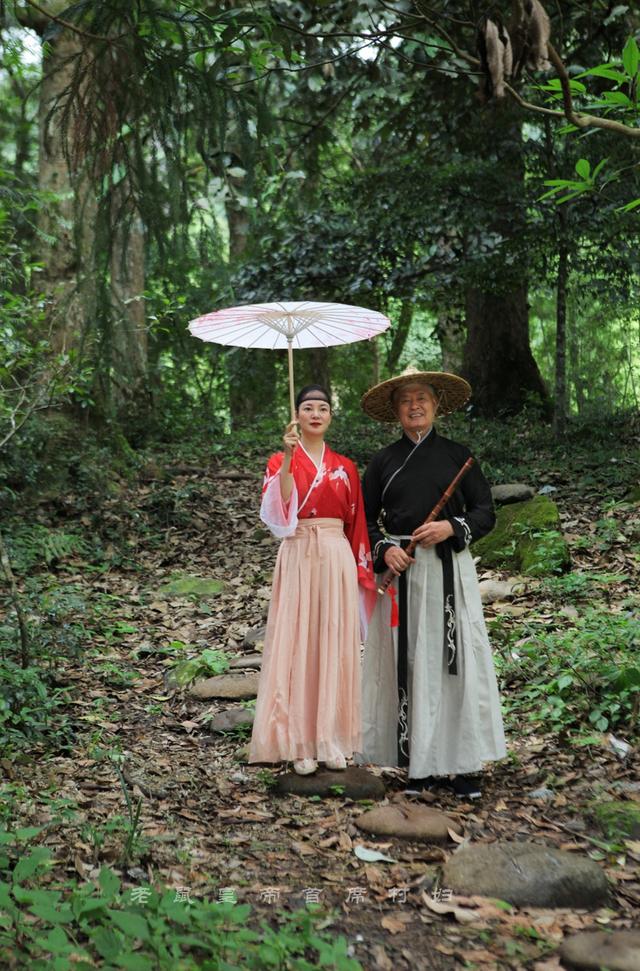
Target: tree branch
{"type": "Point", "coordinates": [580, 120]}
{"type": "Point", "coordinates": [72, 27]}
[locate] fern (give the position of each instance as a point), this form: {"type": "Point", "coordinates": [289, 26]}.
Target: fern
{"type": "Point", "coordinates": [36, 545]}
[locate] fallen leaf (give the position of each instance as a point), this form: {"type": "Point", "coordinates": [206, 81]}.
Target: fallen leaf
{"type": "Point", "coordinates": [346, 843]}
{"type": "Point", "coordinates": [395, 925]}
{"type": "Point", "coordinates": [371, 856]}
{"type": "Point", "coordinates": [463, 915]}
{"type": "Point", "coordinates": [456, 839]}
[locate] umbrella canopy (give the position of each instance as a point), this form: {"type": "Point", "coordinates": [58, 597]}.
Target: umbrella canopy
{"type": "Point", "coordinates": [280, 326]}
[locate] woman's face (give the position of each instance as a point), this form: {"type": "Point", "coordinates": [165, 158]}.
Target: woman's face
{"type": "Point", "coordinates": [314, 417]}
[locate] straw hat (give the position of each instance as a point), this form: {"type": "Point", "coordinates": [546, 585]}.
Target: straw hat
{"type": "Point", "coordinates": [453, 392]}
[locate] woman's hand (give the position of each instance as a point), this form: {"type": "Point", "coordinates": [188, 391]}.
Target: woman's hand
{"type": "Point", "coordinates": [432, 533]}
{"type": "Point", "coordinates": [290, 438]}
{"type": "Point", "coordinates": [397, 560]}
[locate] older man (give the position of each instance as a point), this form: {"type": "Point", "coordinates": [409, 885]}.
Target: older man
{"type": "Point", "coordinates": [430, 700]}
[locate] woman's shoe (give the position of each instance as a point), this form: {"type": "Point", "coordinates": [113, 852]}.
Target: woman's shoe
{"type": "Point", "coordinates": [336, 764]}
{"type": "Point", "coordinates": [305, 766]}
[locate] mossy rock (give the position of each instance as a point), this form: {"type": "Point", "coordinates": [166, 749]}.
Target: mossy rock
{"type": "Point", "coordinates": [618, 819]}
{"type": "Point", "coordinates": [634, 494]}
{"type": "Point", "coordinates": [188, 587]}
{"type": "Point", "coordinates": [526, 539]}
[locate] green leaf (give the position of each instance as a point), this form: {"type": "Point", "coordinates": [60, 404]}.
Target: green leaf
{"type": "Point", "coordinates": [6, 903]}
{"type": "Point", "coordinates": [573, 195]}
{"type": "Point", "coordinates": [631, 57]}
{"type": "Point", "coordinates": [51, 913]}
{"type": "Point", "coordinates": [133, 925]}
{"type": "Point", "coordinates": [56, 941]}
{"type": "Point", "coordinates": [27, 832]}
{"type": "Point", "coordinates": [89, 906]}
{"type": "Point", "coordinates": [616, 98]}
{"type": "Point", "coordinates": [27, 865]}
{"type": "Point", "coordinates": [106, 942]}
{"type": "Point", "coordinates": [603, 71]}
{"type": "Point", "coordinates": [629, 206]}
{"type": "Point", "coordinates": [583, 168]}
{"type": "Point", "coordinates": [601, 164]}
{"type": "Point", "coordinates": [136, 962]}
{"type": "Point", "coordinates": [109, 883]}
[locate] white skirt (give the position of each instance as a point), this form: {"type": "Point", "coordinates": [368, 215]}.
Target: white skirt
{"type": "Point", "coordinates": [455, 722]}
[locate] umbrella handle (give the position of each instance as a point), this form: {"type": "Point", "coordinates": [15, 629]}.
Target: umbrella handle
{"type": "Point", "coordinates": [292, 401]}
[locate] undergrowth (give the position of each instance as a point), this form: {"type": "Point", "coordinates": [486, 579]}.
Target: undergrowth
{"type": "Point", "coordinates": [575, 678]}
{"type": "Point", "coordinates": [47, 923]}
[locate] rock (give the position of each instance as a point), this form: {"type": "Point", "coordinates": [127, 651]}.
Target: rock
{"type": "Point", "coordinates": [627, 786]}
{"type": "Point", "coordinates": [255, 638]}
{"type": "Point", "coordinates": [512, 492]}
{"type": "Point", "coordinates": [619, 747]}
{"type": "Point", "coordinates": [232, 718]}
{"type": "Point", "coordinates": [227, 686]}
{"type": "Point", "coordinates": [543, 793]}
{"type": "Point", "coordinates": [247, 661]}
{"type": "Point", "coordinates": [189, 587]}
{"type": "Point", "coordinates": [491, 590]}
{"type": "Point", "coordinates": [526, 539]}
{"type": "Point", "coordinates": [617, 819]}
{"type": "Point", "coordinates": [352, 783]}
{"type": "Point", "coordinates": [614, 950]}
{"type": "Point", "coordinates": [527, 874]}
{"type": "Point", "coordinates": [409, 821]}
{"type": "Point", "coordinates": [570, 612]}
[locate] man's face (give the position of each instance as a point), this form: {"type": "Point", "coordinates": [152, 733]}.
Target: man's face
{"type": "Point", "coordinates": [415, 407]}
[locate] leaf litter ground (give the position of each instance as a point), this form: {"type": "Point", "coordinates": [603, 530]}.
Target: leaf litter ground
{"type": "Point", "coordinates": [210, 824]}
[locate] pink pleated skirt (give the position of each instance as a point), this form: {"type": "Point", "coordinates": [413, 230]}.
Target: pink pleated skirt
{"type": "Point", "coordinates": [308, 703]}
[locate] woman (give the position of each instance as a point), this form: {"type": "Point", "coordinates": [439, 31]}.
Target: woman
{"type": "Point", "coordinates": [308, 706]}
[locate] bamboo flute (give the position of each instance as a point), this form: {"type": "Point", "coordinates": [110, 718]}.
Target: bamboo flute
{"type": "Point", "coordinates": [388, 575]}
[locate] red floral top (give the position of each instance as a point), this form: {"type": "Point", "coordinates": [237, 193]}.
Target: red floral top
{"type": "Point", "coordinates": [331, 490]}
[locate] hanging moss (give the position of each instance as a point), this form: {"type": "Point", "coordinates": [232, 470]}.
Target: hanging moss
{"type": "Point", "coordinates": [527, 539]}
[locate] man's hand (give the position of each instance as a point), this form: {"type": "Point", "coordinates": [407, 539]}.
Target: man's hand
{"type": "Point", "coordinates": [432, 533]}
{"type": "Point", "coordinates": [397, 560]}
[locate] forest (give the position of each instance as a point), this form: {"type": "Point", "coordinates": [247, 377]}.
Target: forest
{"type": "Point", "coordinates": [472, 172]}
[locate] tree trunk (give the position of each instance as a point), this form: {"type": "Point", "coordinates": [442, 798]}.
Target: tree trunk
{"type": "Point", "coordinates": [400, 334]}
{"type": "Point", "coordinates": [574, 361]}
{"type": "Point", "coordinates": [451, 335]}
{"type": "Point", "coordinates": [375, 362]}
{"type": "Point", "coordinates": [128, 346]}
{"type": "Point", "coordinates": [67, 222]}
{"type": "Point", "coordinates": [560, 397]}
{"type": "Point", "coordinates": [14, 596]}
{"type": "Point", "coordinates": [497, 357]}
{"type": "Point", "coordinates": [252, 373]}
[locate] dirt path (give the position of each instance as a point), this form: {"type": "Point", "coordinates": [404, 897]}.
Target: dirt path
{"type": "Point", "coordinates": [210, 825]}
